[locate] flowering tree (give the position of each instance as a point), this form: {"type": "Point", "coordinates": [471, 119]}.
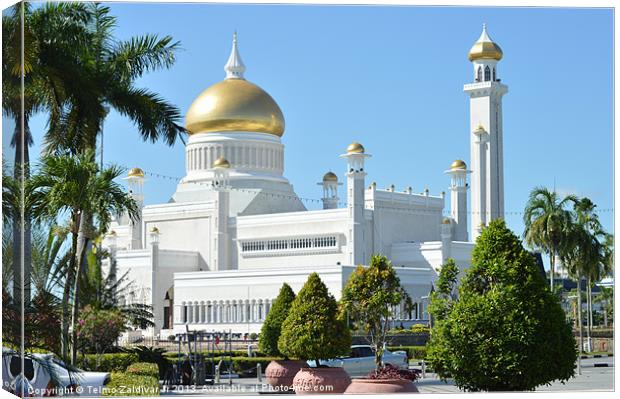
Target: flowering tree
{"type": "Point", "coordinates": [97, 329]}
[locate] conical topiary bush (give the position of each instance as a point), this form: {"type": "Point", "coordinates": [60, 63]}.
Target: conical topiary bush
{"type": "Point", "coordinates": [312, 330]}
{"type": "Point", "coordinates": [270, 332]}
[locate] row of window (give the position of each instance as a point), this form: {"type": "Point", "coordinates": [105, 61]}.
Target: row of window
{"type": "Point", "coordinates": [487, 74]}
{"type": "Point", "coordinates": [292, 243]}
{"type": "Point", "coordinates": [225, 312]}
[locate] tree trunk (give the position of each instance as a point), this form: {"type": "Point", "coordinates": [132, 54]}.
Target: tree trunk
{"type": "Point", "coordinates": [589, 313]}
{"type": "Point", "coordinates": [579, 324]}
{"type": "Point", "coordinates": [64, 341]}
{"type": "Point", "coordinates": [21, 233]}
{"type": "Point", "coordinates": [605, 314]}
{"type": "Point", "coordinates": [79, 262]}
{"type": "Point", "coordinates": [552, 263]}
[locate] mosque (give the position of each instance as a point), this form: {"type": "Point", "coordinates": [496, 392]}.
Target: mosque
{"type": "Point", "coordinates": [215, 256]}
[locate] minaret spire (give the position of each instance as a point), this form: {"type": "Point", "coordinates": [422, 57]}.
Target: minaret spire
{"type": "Point", "coordinates": [234, 67]}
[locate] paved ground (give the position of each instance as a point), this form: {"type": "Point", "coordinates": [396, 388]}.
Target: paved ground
{"type": "Point", "coordinates": [591, 379]}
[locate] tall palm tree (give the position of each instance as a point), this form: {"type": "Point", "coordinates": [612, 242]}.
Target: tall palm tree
{"type": "Point", "coordinates": [108, 70]}
{"type": "Point", "coordinates": [50, 35]}
{"type": "Point", "coordinates": [547, 223]}
{"type": "Point", "coordinates": [75, 185]}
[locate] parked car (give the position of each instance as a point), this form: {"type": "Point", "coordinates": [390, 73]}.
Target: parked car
{"type": "Point", "coordinates": [361, 361]}
{"type": "Point", "coordinates": [38, 369]}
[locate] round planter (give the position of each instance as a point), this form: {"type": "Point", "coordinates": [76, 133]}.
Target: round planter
{"type": "Point", "coordinates": [366, 385]}
{"type": "Point", "coordinates": [317, 380]}
{"type": "Point", "coordinates": [280, 373]}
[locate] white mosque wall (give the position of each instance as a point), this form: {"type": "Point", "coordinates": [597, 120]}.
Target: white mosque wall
{"type": "Point", "coordinates": [291, 239]}
{"type": "Point", "coordinates": [182, 226]}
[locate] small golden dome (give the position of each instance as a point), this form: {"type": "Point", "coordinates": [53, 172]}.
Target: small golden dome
{"type": "Point", "coordinates": [458, 164]}
{"type": "Point", "coordinates": [330, 176]}
{"type": "Point", "coordinates": [485, 48]}
{"type": "Point", "coordinates": [113, 233]}
{"type": "Point", "coordinates": [234, 105]}
{"type": "Point", "coordinates": [446, 221]}
{"type": "Point", "coordinates": [154, 230]}
{"type": "Point", "coordinates": [355, 148]}
{"type": "Point", "coordinates": [135, 172]}
{"type": "Point", "coordinates": [221, 163]}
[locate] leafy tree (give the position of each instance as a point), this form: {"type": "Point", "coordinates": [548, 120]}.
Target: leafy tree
{"type": "Point", "coordinates": [272, 327]}
{"type": "Point", "coordinates": [312, 329]}
{"type": "Point", "coordinates": [505, 331]}
{"type": "Point", "coordinates": [547, 223]}
{"type": "Point", "coordinates": [97, 330]}
{"type": "Point", "coordinates": [368, 299]}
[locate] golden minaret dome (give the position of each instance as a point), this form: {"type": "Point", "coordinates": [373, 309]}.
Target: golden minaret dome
{"type": "Point", "coordinates": [485, 48]}
{"type": "Point", "coordinates": [234, 105]}
{"type": "Point", "coordinates": [355, 148]}
{"type": "Point", "coordinates": [221, 163]}
{"type": "Point", "coordinates": [135, 172]}
{"type": "Point", "coordinates": [330, 176]}
{"type": "Point", "coordinates": [458, 164]}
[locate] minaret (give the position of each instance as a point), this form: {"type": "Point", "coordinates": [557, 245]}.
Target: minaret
{"type": "Point", "coordinates": [458, 198]}
{"type": "Point", "coordinates": [135, 182]}
{"type": "Point", "coordinates": [355, 201]}
{"type": "Point", "coordinates": [486, 133]}
{"type": "Point", "coordinates": [330, 190]}
{"type": "Point", "coordinates": [221, 185]}
{"type": "Point", "coordinates": [234, 66]}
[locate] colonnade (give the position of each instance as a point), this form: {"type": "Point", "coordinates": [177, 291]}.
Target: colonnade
{"type": "Point", "coordinates": [225, 311]}
{"type": "Point", "coordinates": [240, 156]}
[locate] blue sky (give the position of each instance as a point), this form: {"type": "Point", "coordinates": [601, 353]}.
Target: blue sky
{"type": "Point", "coordinates": [392, 78]}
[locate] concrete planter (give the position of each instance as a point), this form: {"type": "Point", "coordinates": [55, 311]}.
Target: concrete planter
{"type": "Point", "coordinates": [280, 373]}
{"type": "Point", "coordinates": [321, 380]}
{"type": "Point", "coordinates": [366, 385]}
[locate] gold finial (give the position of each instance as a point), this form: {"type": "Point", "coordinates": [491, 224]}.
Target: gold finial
{"type": "Point", "coordinates": [355, 148]}
{"type": "Point", "coordinates": [135, 172]}
{"type": "Point", "coordinates": [446, 221]}
{"type": "Point", "coordinates": [154, 230]}
{"type": "Point", "coordinates": [330, 176]}
{"type": "Point", "coordinates": [458, 164]}
{"type": "Point", "coordinates": [221, 163]}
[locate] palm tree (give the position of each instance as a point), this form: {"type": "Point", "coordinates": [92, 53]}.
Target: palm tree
{"type": "Point", "coordinates": [50, 35]}
{"type": "Point", "coordinates": [108, 70]}
{"type": "Point", "coordinates": [606, 298]}
{"type": "Point", "coordinates": [547, 223]}
{"type": "Point", "coordinates": [75, 185]}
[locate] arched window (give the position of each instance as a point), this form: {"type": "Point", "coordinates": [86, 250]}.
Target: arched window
{"type": "Point", "coordinates": [487, 73]}
{"type": "Point", "coordinates": [479, 77]}
{"type": "Point", "coordinates": [494, 75]}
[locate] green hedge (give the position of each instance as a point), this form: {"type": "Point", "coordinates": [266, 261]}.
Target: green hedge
{"type": "Point", "coordinates": [413, 352]}
{"type": "Point", "coordinates": [129, 384]}
{"type": "Point", "coordinates": [108, 362]}
{"type": "Point", "coordinates": [144, 368]}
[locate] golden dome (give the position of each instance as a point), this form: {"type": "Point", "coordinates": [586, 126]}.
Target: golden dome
{"type": "Point", "coordinates": [221, 163]}
{"type": "Point", "coordinates": [458, 164]}
{"type": "Point", "coordinates": [355, 148]}
{"type": "Point", "coordinates": [135, 172]}
{"type": "Point", "coordinates": [485, 48]}
{"type": "Point", "coordinates": [330, 176]}
{"type": "Point", "coordinates": [234, 105]}
{"type": "Point", "coordinates": [154, 230]}
{"type": "Point", "coordinates": [446, 221]}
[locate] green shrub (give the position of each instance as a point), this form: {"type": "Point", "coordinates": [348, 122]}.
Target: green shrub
{"type": "Point", "coordinates": [108, 361]}
{"type": "Point", "coordinates": [272, 327]}
{"type": "Point", "coordinates": [253, 336]}
{"type": "Point", "coordinates": [505, 331]}
{"type": "Point", "coordinates": [128, 384]}
{"type": "Point", "coordinates": [144, 368]}
{"type": "Point", "coordinates": [312, 329]}
{"type": "Point", "coordinates": [413, 352]}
